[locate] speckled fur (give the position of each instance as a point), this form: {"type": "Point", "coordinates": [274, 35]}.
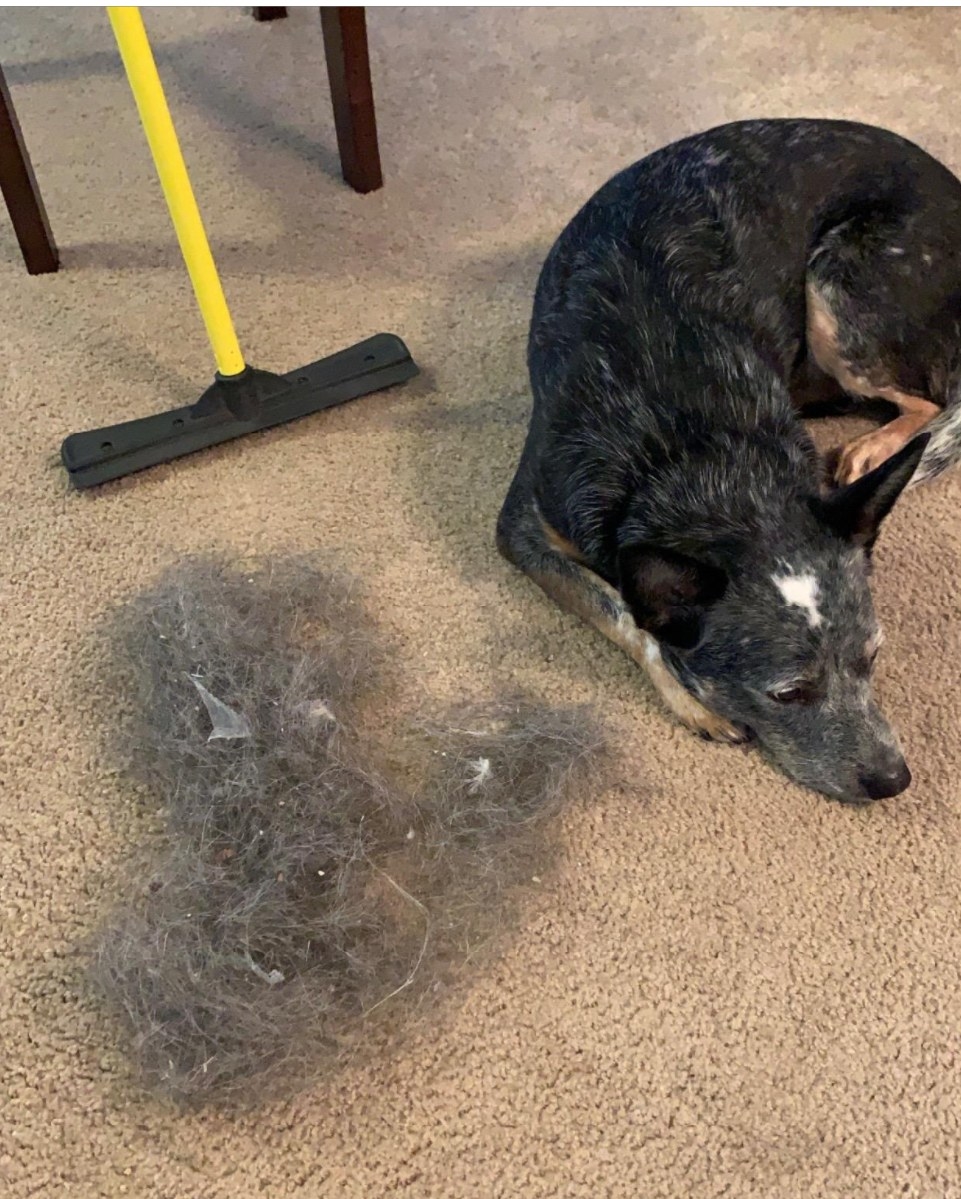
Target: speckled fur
{"type": "Point", "coordinates": [668, 331]}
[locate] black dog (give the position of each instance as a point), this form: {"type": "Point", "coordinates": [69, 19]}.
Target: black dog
{"type": "Point", "coordinates": [668, 492]}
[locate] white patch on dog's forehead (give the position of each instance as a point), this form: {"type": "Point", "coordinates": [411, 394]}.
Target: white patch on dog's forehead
{"type": "Point", "coordinates": [800, 591]}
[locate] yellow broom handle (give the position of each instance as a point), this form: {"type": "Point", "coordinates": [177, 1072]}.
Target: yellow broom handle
{"type": "Point", "coordinates": [148, 92]}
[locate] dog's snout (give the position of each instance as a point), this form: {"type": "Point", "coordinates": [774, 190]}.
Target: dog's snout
{"type": "Point", "coordinates": [887, 782]}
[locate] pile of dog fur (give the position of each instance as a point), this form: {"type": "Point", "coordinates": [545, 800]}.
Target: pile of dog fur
{"type": "Point", "coordinates": [301, 897]}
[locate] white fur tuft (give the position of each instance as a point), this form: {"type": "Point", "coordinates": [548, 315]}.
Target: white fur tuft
{"type": "Point", "coordinates": [801, 591]}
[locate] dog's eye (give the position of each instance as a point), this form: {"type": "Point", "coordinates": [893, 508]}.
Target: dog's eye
{"type": "Point", "coordinates": [794, 693]}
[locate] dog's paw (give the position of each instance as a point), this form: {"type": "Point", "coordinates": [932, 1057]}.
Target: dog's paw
{"type": "Point", "coordinates": [862, 455]}
{"type": "Point", "coordinates": [707, 724]}
{"type": "Point", "coordinates": [855, 461]}
{"type": "Point", "coordinates": [716, 728]}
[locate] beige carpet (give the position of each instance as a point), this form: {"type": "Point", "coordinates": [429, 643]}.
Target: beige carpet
{"type": "Point", "coordinates": [732, 987]}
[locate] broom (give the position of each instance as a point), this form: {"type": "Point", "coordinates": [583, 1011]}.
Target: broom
{"type": "Point", "coordinates": [242, 399]}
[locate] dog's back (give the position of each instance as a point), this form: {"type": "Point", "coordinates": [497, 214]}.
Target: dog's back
{"type": "Point", "coordinates": [683, 279]}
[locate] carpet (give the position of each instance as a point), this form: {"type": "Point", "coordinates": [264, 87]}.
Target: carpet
{"type": "Point", "coordinates": [730, 987]}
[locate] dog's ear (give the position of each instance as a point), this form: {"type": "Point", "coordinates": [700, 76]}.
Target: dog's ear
{"type": "Point", "coordinates": [668, 592]}
{"type": "Point", "coordinates": [855, 512]}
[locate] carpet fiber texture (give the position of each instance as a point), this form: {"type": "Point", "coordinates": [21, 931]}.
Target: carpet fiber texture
{"type": "Point", "coordinates": [731, 987]}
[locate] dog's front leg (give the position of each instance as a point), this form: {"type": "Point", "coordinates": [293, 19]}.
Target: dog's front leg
{"type": "Point", "coordinates": [578, 590]}
{"type": "Point", "coordinates": [689, 710]}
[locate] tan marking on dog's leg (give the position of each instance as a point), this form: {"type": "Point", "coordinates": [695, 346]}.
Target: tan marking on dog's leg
{"type": "Point", "coordinates": [823, 344]}
{"type": "Point", "coordinates": [581, 592]}
{"type": "Point", "coordinates": [690, 711]}
{"type": "Point", "coordinates": [822, 333]}
{"type": "Point", "coordinates": [559, 543]}
{"type": "Point", "coordinates": [867, 452]}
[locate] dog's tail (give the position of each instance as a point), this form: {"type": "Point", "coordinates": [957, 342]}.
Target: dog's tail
{"type": "Point", "coordinates": [944, 445]}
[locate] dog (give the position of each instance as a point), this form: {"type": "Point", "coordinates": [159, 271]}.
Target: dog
{"type": "Point", "coordinates": [668, 491]}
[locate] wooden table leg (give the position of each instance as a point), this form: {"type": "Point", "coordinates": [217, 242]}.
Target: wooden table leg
{"type": "Point", "coordinates": [21, 193]}
{"type": "Point", "coordinates": [352, 95]}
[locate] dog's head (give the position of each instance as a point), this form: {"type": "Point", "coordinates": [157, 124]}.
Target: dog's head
{"type": "Point", "coordinates": [782, 637]}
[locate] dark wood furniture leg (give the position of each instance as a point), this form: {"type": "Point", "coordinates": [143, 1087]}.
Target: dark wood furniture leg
{"type": "Point", "coordinates": [269, 14]}
{"type": "Point", "coordinates": [352, 95]}
{"type": "Point", "coordinates": [21, 193]}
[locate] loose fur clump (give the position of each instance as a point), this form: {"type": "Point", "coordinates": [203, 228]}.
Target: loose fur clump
{"type": "Point", "coordinates": [303, 898]}
{"type": "Point", "coordinates": [506, 769]}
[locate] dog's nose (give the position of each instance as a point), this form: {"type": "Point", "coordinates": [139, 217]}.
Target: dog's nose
{"type": "Point", "coordinates": [882, 784]}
